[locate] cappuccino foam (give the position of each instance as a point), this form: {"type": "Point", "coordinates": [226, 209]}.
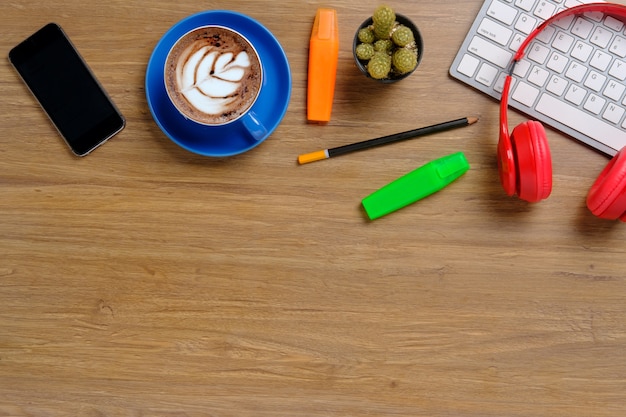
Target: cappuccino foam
{"type": "Point", "coordinates": [213, 75]}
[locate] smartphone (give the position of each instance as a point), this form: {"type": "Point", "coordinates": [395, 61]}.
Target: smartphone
{"type": "Point", "coordinates": [66, 89]}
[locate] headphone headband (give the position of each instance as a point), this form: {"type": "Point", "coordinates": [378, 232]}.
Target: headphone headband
{"type": "Point", "coordinates": [618, 10]}
{"type": "Point", "coordinates": [605, 8]}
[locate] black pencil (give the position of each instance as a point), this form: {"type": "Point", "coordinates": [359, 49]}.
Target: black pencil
{"type": "Point", "coordinates": [366, 144]}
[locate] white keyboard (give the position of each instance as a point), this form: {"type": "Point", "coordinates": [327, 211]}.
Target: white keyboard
{"type": "Point", "coordinates": [572, 75]}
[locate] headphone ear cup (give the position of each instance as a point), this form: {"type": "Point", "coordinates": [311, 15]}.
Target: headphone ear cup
{"type": "Point", "coordinates": [607, 196]}
{"type": "Point", "coordinates": [533, 161]}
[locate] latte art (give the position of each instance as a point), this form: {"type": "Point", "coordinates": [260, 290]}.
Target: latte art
{"type": "Point", "coordinates": [209, 78]}
{"type": "Point", "coordinates": [213, 75]}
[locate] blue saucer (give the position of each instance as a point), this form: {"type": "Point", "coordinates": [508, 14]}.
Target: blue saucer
{"type": "Point", "coordinates": [232, 139]}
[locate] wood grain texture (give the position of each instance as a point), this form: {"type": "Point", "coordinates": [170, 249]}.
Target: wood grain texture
{"type": "Point", "coordinates": [144, 280]}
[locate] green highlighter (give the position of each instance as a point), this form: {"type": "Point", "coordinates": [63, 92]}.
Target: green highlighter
{"type": "Point", "coordinates": [424, 181]}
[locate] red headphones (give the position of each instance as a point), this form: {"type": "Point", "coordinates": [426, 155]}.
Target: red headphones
{"type": "Point", "coordinates": [524, 160]}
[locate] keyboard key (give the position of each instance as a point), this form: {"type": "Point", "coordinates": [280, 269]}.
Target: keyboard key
{"type": "Point", "coordinates": [525, 4]}
{"type": "Point", "coordinates": [601, 37]}
{"type": "Point", "coordinates": [525, 94]}
{"type": "Point", "coordinates": [468, 65]}
{"type": "Point", "coordinates": [495, 31]}
{"type": "Point", "coordinates": [618, 70]}
{"type": "Point", "coordinates": [546, 34]}
{"type": "Point", "coordinates": [595, 81]}
{"type": "Point", "coordinates": [499, 85]}
{"type": "Point", "coordinates": [576, 72]}
{"type": "Point", "coordinates": [538, 53]}
{"type": "Point", "coordinates": [557, 85]}
{"type": "Point", "coordinates": [613, 23]}
{"type": "Point", "coordinates": [618, 47]}
{"type": "Point", "coordinates": [538, 76]}
{"type": "Point", "coordinates": [521, 68]}
{"type": "Point", "coordinates": [557, 62]}
{"type": "Point", "coordinates": [576, 95]}
{"type": "Point", "coordinates": [581, 121]}
{"type": "Point", "coordinates": [526, 24]}
{"type": "Point", "coordinates": [563, 42]}
{"type": "Point", "coordinates": [613, 113]}
{"type": "Point", "coordinates": [572, 3]}
{"type": "Point", "coordinates": [614, 90]}
{"type": "Point", "coordinates": [595, 16]}
{"type": "Point", "coordinates": [490, 52]}
{"type": "Point", "coordinates": [545, 10]}
{"type": "Point", "coordinates": [601, 60]}
{"type": "Point", "coordinates": [564, 22]}
{"type": "Point", "coordinates": [582, 51]}
{"type": "Point", "coordinates": [516, 42]}
{"type": "Point", "coordinates": [582, 28]}
{"type": "Point", "coordinates": [502, 12]}
{"type": "Point", "coordinates": [487, 74]}
{"type": "Point", "coordinates": [594, 104]}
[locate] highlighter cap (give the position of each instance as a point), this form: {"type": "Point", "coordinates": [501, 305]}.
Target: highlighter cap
{"type": "Point", "coordinates": [417, 184]}
{"type": "Point", "coordinates": [322, 71]}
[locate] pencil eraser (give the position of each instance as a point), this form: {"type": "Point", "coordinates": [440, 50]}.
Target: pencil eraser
{"type": "Point", "coordinates": [322, 72]}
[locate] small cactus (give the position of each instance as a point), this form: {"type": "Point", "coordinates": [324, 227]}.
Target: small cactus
{"type": "Point", "coordinates": [383, 45]}
{"type": "Point", "coordinates": [365, 51]}
{"type": "Point", "coordinates": [388, 48]}
{"type": "Point", "coordinates": [379, 65]}
{"type": "Point", "coordinates": [402, 36]}
{"type": "Point", "coordinates": [384, 18]}
{"type": "Point", "coordinates": [404, 60]}
{"type": "Point", "coordinates": [366, 35]}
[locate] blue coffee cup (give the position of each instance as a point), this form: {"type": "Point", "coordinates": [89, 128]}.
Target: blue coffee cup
{"type": "Point", "coordinates": [242, 133]}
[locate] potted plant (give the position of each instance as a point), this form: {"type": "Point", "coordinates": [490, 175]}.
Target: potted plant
{"type": "Point", "coordinates": [388, 46]}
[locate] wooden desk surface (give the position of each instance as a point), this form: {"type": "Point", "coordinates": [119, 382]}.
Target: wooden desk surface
{"type": "Point", "coordinates": [144, 280]}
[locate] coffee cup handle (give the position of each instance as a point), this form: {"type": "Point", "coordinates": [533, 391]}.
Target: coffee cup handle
{"type": "Point", "coordinates": [253, 125]}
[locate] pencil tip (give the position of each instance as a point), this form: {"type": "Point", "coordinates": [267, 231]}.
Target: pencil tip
{"type": "Point", "coordinates": [472, 120]}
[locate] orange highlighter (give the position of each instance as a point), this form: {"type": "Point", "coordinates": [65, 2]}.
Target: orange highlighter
{"type": "Point", "coordinates": [323, 57]}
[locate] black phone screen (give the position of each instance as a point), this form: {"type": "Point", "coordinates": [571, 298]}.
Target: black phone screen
{"type": "Point", "coordinates": [66, 89]}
